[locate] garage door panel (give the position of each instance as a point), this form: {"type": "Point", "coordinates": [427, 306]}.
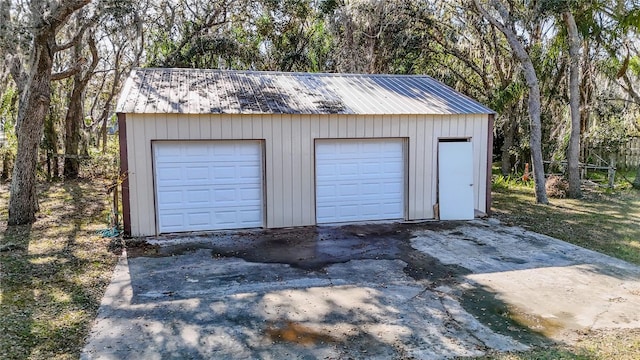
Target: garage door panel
{"type": "Point", "coordinates": [359, 180]}
{"type": "Point", "coordinates": [208, 185]}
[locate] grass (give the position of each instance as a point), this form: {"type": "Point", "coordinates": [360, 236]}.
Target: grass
{"type": "Point", "coordinates": [604, 220]}
{"type": "Point", "coordinates": [53, 273]}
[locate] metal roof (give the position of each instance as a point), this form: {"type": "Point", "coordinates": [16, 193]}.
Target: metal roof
{"type": "Point", "coordinates": [198, 91]}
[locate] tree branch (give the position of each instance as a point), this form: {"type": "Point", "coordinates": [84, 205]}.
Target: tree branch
{"type": "Point", "coordinates": [71, 71]}
{"type": "Point", "coordinates": [59, 14]}
{"type": "Point", "coordinates": [17, 72]}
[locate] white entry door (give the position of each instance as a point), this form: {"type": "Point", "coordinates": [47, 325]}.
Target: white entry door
{"type": "Point", "coordinates": [208, 185]}
{"type": "Point", "coordinates": [455, 180]}
{"type": "Point", "coordinates": [359, 180]}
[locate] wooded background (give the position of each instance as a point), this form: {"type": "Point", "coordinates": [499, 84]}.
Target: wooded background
{"type": "Point", "coordinates": [563, 75]}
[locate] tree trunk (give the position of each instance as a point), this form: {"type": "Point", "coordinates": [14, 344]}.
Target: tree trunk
{"type": "Point", "coordinates": [75, 114]}
{"type": "Point", "coordinates": [72, 130]}
{"type": "Point", "coordinates": [23, 203]}
{"type": "Point", "coordinates": [6, 162]}
{"type": "Point", "coordinates": [103, 133]}
{"type": "Point", "coordinates": [534, 104]}
{"type": "Point", "coordinates": [611, 174]}
{"type": "Point", "coordinates": [509, 129]}
{"type": "Point", "coordinates": [573, 151]}
{"type": "Point", "coordinates": [34, 105]}
{"type": "Point", "coordinates": [636, 181]}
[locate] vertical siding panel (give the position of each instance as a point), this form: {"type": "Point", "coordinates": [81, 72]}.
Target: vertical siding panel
{"type": "Point", "coordinates": [205, 127]}
{"type": "Point", "coordinates": [421, 172]}
{"type": "Point", "coordinates": [140, 175]}
{"type": "Point", "coordinates": [437, 133]}
{"type": "Point", "coordinates": [279, 161]}
{"type": "Point", "coordinates": [216, 126]}
{"type": "Point", "coordinates": [368, 124]}
{"type": "Point", "coordinates": [323, 126]}
{"type": "Point", "coordinates": [318, 130]}
{"type": "Point", "coordinates": [172, 126]}
{"type": "Point", "coordinates": [134, 205]}
{"type": "Point", "coordinates": [377, 127]}
{"type": "Point", "coordinates": [397, 126]}
{"type": "Point", "coordinates": [161, 127]}
{"type": "Point", "coordinates": [481, 139]}
{"type": "Point", "coordinates": [237, 126]}
{"type": "Point", "coordinates": [194, 127]}
{"type": "Point", "coordinates": [357, 126]}
{"type": "Point", "coordinates": [456, 126]}
{"type": "Point", "coordinates": [404, 126]}
{"type": "Point", "coordinates": [306, 171]}
{"type": "Point", "coordinates": [149, 134]}
{"type": "Point", "coordinates": [246, 123]}
{"type": "Point", "coordinates": [334, 124]}
{"type": "Point", "coordinates": [183, 126]}
{"type": "Point", "coordinates": [429, 167]}
{"type": "Point", "coordinates": [407, 126]}
{"type": "Point", "coordinates": [385, 128]}
{"type": "Point", "coordinates": [226, 127]}
{"type": "Point", "coordinates": [269, 172]}
{"type": "Point", "coordinates": [256, 127]}
{"type": "Point", "coordinates": [342, 125]}
{"type": "Point", "coordinates": [414, 130]}
{"type": "Point", "coordinates": [296, 177]}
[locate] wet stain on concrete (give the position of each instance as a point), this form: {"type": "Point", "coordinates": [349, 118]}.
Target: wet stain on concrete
{"type": "Point", "coordinates": [313, 248]}
{"type": "Point", "coordinates": [295, 333]}
{"type": "Point", "coordinates": [508, 320]}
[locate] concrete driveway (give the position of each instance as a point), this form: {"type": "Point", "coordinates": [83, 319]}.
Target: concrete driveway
{"type": "Point", "coordinates": [409, 291]}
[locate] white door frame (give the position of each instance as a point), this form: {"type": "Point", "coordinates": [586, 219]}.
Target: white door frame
{"type": "Point", "coordinates": [405, 171]}
{"type": "Point", "coordinates": [456, 188]}
{"type": "Point", "coordinates": [263, 190]}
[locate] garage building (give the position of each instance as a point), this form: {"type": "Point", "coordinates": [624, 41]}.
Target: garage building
{"type": "Point", "coordinates": [209, 149]}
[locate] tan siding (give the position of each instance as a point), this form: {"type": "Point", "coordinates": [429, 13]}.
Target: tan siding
{"type": "Point", "coordinates": [134, 206]}
{"type": "Point", "coordinates": [414, 165]}
{"type": "Point", "coordinates": [482, 169]}
{"type": "Point", "coordinates": [421, 178]}
{"type": "Point", "coordinates": [306, 174]}
{"type": "Point", "coordinates": [430, 171]}
{"type": "Point", "coordinates": [150, 132]}
{"type": "Point", "coordinates": [205, 129]}
{"type": "Point", "coordinates": [288, 161]}
{"type": "Point", "coordinates": [289, 166]}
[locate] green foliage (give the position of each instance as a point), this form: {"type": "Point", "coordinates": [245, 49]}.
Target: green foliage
{"type": "Point", "coordinates": [611, 129]}
{"type": "Point", "coordinates": [103, 165]}
{"type": "Point", "coordinates": [8, 115]}
{"type": "Point", "coordinates": [503, 98]}
{"type": "Point", "coordinates": [501, 182]}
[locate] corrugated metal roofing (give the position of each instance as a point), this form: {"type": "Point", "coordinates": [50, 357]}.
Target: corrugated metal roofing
{"type": "Point", "coordinates": [198, 91]}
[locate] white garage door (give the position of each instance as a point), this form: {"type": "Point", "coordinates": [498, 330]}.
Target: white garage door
{"type": "Point", "coordinates": [359, 180]}
{"type": "Point", "coordinates": [208, 185]}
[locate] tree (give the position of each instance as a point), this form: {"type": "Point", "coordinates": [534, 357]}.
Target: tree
{"type": "Point", "coordinates": [573, 152]}
{"type": "Point", "coordinates": [46, 20]}
{"type": "Point", "coordinates": [74, 118]}
{"type": "Point", "coordinates": [507, 26]}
